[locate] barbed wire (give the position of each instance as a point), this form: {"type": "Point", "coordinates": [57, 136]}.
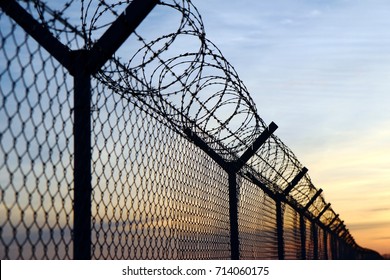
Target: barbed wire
{"type": "Point", "coordinates": [183, 77]}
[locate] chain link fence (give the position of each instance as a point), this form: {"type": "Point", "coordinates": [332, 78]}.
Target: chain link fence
{"type": "Point", "coordinates": [124, 144]}
{"type": "Point", "coordinates": [155, 195]}
{"type": "Point", "coordinates": [36, 147]}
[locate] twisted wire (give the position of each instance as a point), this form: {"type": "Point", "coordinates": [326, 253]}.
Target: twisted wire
{"type": "Point", "coordinates": [184, 79]}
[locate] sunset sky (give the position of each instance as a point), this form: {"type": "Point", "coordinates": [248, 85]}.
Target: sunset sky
{"type": "Point", "coordinates": [321, 71]}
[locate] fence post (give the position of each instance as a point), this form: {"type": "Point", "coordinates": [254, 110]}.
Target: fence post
{"type": "Point", "coordinates": [279, 211]}
{"type": "Point", "coordinates": [322, 212]}
{"type": "Point", "coordinates": [233, 215]}
{"type": "Point", "coordinates": [326, 255]}
{"type": "Point", "coordinates": [82, 158]}
{"type": "Point", "coordinates": [315, 240]}
{"type": "Point", "coordinates": [302, 226]}
{"type": "Point", "coordinates": [315, 196]}
{"type": "Point", "coordinates": [232, 168]}
{"type": "Point", "coordinates": [332, 221]}
{"type": "Point", "coordinates": [295, 181]}
{"type": "Point", "coordinates": [333, 246]}
{"type": "Point", "coordinates": [279, 228]}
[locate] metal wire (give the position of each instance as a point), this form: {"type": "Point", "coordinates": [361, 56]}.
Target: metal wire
{"type": "Point", "coordinates": [35, 150]}
{"type": "Point", "coordinates": [172, 204]}
{"type": "Point", "coordinates": [257, 223]}
{"type": "Point", "coordinates": [156, 194]}
{"type": "Point", "coordinates": [292, 234]}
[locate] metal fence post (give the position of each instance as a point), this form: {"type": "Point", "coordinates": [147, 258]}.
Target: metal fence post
{"type": "Point", "coordinates": [87, 62]}
{"type": "Point", "coordinates": [335, 250]}
{"type": "Point", "coordinates": [302, 226]}
{"type": "Point", "coordinates": [233, 215]}
{"type": "Point", "coordinates": [279, 229]}
{"type": "Point", "coordinates": [82, 159]}
{"type": "Point", "coordinates": [326, 255]}
{"type": "Point", "coordinates": [232, 168]}
{"type": "Point", "coordinates": [315, 240]}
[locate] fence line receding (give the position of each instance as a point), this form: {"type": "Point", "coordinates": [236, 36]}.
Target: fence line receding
{"type": "Point", "coordinates": [126, 134]}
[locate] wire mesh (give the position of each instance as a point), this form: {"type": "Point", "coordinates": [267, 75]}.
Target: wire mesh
{"type": "Point", "coordinates": [329, 246]}
{"type": "Point", "coordinates": [292, 234]}
{"type": "Point", "coordinates": [322, 245]}
{"type": "Point", "coordinates": [257, 223]}
{"type": "Point", "coordinates": [335, 248]}
{"type": "Point", "coordinates": [309, 240]}
{"type": "Point", "coordinates": [36, 167]}
{"type": "Point", "coordinates": [155, 193]}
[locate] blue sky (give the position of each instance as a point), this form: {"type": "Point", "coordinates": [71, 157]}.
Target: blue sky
{"type": "Point", "coordinates": [321, 71]}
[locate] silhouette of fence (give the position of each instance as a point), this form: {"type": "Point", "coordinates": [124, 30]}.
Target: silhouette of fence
{"type": "Point", "coordinates": [119, 145]}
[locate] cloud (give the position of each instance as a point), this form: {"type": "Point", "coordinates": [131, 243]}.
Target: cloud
{"type": "Point", "coordinates": [368, 226]}
{"type": "Point", "coordinates": [382, 238]}
{"type": "Point", "coordinates": [315, 13]}
{"type": "Point", "coordinates": [380, 209]}
{"type": "Point", "coordinates": [287, 21]}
